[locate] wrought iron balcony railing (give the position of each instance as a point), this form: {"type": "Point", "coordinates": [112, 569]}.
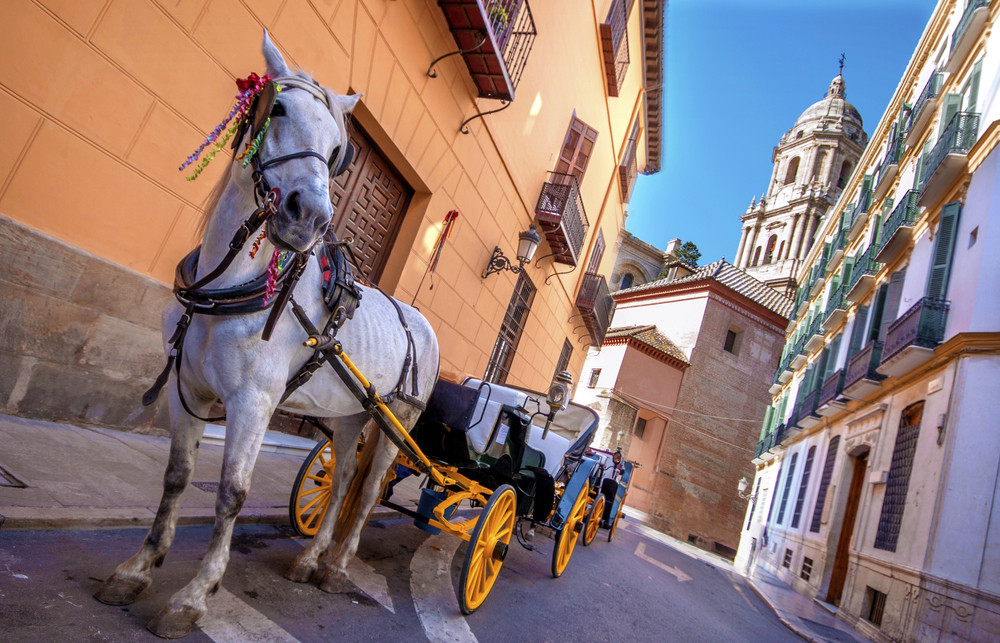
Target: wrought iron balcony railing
{"type": "Point", "coordinates": [903, 215]}
{"type": "Point", "coordinates": [628, 170]}
{"type": "Point", "coordinates": [922, 325]}
{"type": "Point", "coordinates": [832, 388]}
{"type": "Point", "coordinates": [835, 303]}
{"type": "Point", "coordinates": [596, 306]}
{"type": "Point", "coordinates": [891, 159]}
{"type": "Point", "coordinates": [779, 435]}
{"type": "Point", "coordinates": [928, 93]}
{"type": "Point", "coordinates": [809, 404]}
{"type": "Point", "coordinates": [614, 45]}
{"type": "Point", "coordinates": [864, 264]}
{"type": "Point", "coordinates": [562, 218]}
{"type": "Point", "coordinates": [495, 38]}
{"type": "Point", "coordinates": [862, 366]}
{"type": "Point", "coordinates": [958, 138]}
{"type": "Point", "coordinates": [966, 18]}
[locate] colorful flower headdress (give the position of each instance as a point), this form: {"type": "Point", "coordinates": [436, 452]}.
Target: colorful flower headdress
{"type": "Point", "coordinates": [253, 105]}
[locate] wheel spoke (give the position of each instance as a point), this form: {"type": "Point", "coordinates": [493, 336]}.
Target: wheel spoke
{"type": "Point", "coordinates": [311, 503]}
{"type": "Point", "coordinates": [321, 479]}
{"type": "Point", "coordinates": [310, 492]}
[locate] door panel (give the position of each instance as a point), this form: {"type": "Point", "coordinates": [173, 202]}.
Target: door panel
{"type": "Point", "coordinates": [841, 558]}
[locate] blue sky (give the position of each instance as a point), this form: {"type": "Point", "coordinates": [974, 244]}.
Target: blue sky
{"type": "Point", "coordinates": [738, 74]}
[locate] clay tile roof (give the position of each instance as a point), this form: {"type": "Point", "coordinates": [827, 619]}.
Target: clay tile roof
{"type": "Point", "coordinates": [731, 277]}
{"type": "Point", "coordinates": [649, 336]}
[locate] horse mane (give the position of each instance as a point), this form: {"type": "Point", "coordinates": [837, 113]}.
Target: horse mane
{"type": "Point", "coordinates": [213, 198]}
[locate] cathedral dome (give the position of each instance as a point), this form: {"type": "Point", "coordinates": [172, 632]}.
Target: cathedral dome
{"type": "Point", "coordinates": [833, 112]}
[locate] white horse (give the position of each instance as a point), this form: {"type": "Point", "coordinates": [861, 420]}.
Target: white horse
{"type": "Point", "coordinates": [224, 358]}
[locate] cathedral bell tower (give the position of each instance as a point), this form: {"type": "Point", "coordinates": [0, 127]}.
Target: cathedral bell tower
{"type": "Point", "coordinates": [812, 164]}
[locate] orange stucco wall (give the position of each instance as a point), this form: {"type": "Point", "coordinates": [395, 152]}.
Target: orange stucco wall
{"type": "Point", "coordinates": [102, 100]}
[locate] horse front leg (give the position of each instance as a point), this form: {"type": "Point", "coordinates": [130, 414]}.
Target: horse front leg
{"type": "Point", "coordinates": [245, 426]}
{"type": "Point", "coordinates": [346, 431]}
{"type": "Point", "coordinates": [136, 574]}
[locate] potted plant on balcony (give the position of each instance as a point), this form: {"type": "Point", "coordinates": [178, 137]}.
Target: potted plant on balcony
{"type": "Point", "coordinates": [500, 20]}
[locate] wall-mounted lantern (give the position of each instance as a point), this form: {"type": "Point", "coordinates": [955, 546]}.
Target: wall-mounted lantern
{"type": "Point", "coordinates": [527, 243]}
{"type": "Point", "coordinates": [741, 488]}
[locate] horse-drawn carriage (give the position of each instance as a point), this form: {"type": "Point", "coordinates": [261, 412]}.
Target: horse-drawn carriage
{"type": "Point", "coordinates": [524, 457]}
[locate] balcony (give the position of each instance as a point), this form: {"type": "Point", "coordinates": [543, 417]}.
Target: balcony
{"type": "Point", "coordinates": [596, 306]}
{"type": "Point", "coordinates": [861, 379]}
{"type": "Point", "coordinates": [495, 37]}
{"type": "Point", "coordinates": [862, 276]}
{"type": "Point", "coordinates": [948, 158]}
{"type": "Point", "coordinates": [855, 218]}
{"type": "Point", "coordinates": [799, 357]}
{"type": "Point", "coordinates": [808, 417]}
{"type": "Point", "coordinates": [889, 167]}
{"type": "Point", "coordinates": [779, 436]}
{"type": "Point", "coordinates": [924, 108]}
{"type": "Point", "coordinates": [814, 336]}
{"type": "Point", "coordinates": [912, 338]}
{"type": "Point", "coordinates": [628, 170]}
{"type": "Point", "coordinates": [830, 402]}
{"type": "Point", "coordinates": [763, 453]}
{"type": "Point", "coordinates": [969, 27]}
{"type": "Point", "coordinates": [562, 218]}
{"type": "Point", "coordinates": [836, 249]}
{"type": "Point", "coordinates": [614, 45]}
{"type": "Point", "coordinates": [898, 228]}
{"type": "Point", "coordinates": [836, 308]}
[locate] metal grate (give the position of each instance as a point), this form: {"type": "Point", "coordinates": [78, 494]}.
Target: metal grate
{"type": "Point", "coordinates": [787, 562]}
{"type": "Point", "coordinates": [807, 568]}
{"type": "Point", "coordinates": [564, 356]}
{"type": "Point", "coordinates": [510, 331]}
{"type": "Point", "coordinates": [877, 606]}
{"type": "Point", "coordinates": [824, 483]}
{"type": "Point", "coordinates": [899, 478]}
{"type": "Point", "coordinates": [803, 486]}
{"type": "Point", "coordinates": [788, 487]}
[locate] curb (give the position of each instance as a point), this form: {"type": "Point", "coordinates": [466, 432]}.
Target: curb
{"type": "Point", "coordinates": [804, 634]}
{"type": "Point", "coordinates": [94, 518]}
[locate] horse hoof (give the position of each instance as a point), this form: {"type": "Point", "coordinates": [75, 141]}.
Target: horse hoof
{"type": "Point", "coordinates": [120, 591]}
{"type": "Point", "coordinates": [333, 581]}
{"type": "Point", "coordinates": [173, 623]}
{"type": "Point", "coordinates": [299, 573]}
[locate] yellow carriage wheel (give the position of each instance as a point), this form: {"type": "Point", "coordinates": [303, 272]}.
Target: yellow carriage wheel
{"type": "Point", "coordinates": [487, 549]}
{"type": "Point", "coordinates": [614, 525]}
{"type": "Point", "coordinates": [566, 541]}
{"type": "Point", "coordinates": [311, 491]}
{"type": "Point", "coordinates": [593, 520]}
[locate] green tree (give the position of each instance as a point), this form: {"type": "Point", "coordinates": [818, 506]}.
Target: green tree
{"type": "Point", "coordinates": [689, 253]}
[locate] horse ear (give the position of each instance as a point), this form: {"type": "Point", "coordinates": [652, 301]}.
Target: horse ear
{"type": "Point", "coordinates": [276, 66]}
{"type": "Point", "coordinates": [347, 103]}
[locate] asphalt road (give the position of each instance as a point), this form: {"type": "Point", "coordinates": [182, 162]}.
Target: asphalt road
{"type": "Point", "coordinates": [631, 589]}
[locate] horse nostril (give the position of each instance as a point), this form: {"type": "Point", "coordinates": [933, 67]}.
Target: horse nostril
{"type": "Point", "coordinates": [292, 205]}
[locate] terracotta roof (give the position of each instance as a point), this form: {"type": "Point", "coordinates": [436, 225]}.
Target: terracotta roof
{"type": "Point", "coordinates": [731, 277]}
{"type": "Point", "coordinates": [649, 336]}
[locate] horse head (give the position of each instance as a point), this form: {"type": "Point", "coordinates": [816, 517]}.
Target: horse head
{"type": "Point", "coordinates": [304, 147]}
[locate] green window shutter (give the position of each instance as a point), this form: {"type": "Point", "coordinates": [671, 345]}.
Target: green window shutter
{"type": "Point", "coordinates": [858, 332]}
{"type": "Point", "coordinates": [848, 269]}
{"type": "Point", "coordinates": [766, 427]}
{"type": "Point", "coordinates": [973, 98]}
{"type": "Point", "coordinates": [821, 370]}
{"type": "Point", "coordinates": [877, 312]}
{"type": "Point", "coordinates": [882, 218]}
{"type": "Point", "coordinates": [831, 363]}
{"type": "Point", "coordinates": [864, 200]}
{"type": "Point", "coordinates": [891, 308]}
{"type": "Point", "coordinates": [921, 162]}
{"type": "Point", "coordinates": [944, 249]}
{"type": "Point", "coordinates": [952, 105]}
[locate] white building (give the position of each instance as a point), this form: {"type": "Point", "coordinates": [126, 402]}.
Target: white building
{"type": "Point", "coordinates": [878, 469]}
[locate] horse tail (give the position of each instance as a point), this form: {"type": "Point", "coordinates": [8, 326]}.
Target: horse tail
{"type": "Point", "coordinates": [351, 507]}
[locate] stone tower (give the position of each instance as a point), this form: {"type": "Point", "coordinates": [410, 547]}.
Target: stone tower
{"type": "Point", "coordinates": [812, 164]}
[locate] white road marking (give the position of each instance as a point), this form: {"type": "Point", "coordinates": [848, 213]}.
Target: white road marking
{"type": "Point", "coordinates": [230, 620]}
{"type": "Point", "coordinates": [433, 593]}
{"type": "Point", "coordinates": [738, 589]}
{"type": "Point", "coordinates": [365, 578]}
{"type": "Point", "coordinates": [640, 551]}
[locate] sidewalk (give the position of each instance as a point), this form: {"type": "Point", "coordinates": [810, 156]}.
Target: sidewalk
{"type": "Point", "coordinates": [89, 478]}
{"type": "Point", "coordinates": [801, 615]}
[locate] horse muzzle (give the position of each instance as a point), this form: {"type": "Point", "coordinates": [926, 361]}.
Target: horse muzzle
{"type": "Point", "coordinates": [302, 218]}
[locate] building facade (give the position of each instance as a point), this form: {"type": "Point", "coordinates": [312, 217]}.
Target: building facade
{"type": "Point", "coordinates": [877, 467]}
{"type": "Point", "coordinates": [681, 386]}
{"type": "Point", "coordinates": [638, 262]}
{"type": "Point", "coordinates": [102, 101]}
{"type": "Point", "coordinates": [812, 164]}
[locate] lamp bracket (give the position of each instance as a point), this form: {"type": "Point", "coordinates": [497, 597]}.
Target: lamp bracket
{"type": "Point", "coordinates": [499, 262]}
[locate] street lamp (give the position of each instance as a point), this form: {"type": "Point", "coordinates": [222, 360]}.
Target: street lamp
{"type": "Point", "coordinates": [741, 487]}
{"type": "Point", "coordinates": [527, 243]}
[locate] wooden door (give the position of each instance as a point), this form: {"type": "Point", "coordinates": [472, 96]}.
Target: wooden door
{"type": "Point", "coordinates": [369, 202]}
{"type": "Point", "coordinates": [839, 574]}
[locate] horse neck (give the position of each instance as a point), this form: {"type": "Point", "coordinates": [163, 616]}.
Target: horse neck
{"type": "Point", "coordinates": [234, 207]}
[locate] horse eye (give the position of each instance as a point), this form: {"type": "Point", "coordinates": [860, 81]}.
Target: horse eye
{"type": "Point", "coordinates": [278, 110]}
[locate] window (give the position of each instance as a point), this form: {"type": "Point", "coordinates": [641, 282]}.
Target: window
{"type": "Point", "coordinates": [769, 254]}
{"type": "Point", "coordinates": [627, 280]}
{"type": "Point", "coordinates": [898, 482]}
{"type": "Point", "coordinates": [788, 487]}
{"type": "Point", "coordinates": [803, 487]}
{"type": "Point", "coordinates": [787, 562]}
{"type": "Point", "coordinates": [576, 149]}
{"type": "Point", "coordinates": [756, 256]}
{"type": "Point", "coordinates": [944, 249]}
{"type": "Point", "coordinates": [734, 339]}
{"type": "Point", "coordinates": [510, 331]}
{"type": "Point", "coordinates": [595, 374]}
{"type": "Point", "coordinates": [563, 363]}
{"type": "Point", "coordinates": [876, 605]}
{"type": "Point", "coordinates": [824, 483]}
{"type": "Point", "coordinates": [640, 428]}
{"type": "Point", "coordinates": [730, 341]}
{"type": "Point", "coordinates": [596, 254]}
{"type": "Point", "coordinates": [629, 167]}
{"type": "Point", "coordinates": [807, 568]}
{"type": "Point", "coordinates": [792, 171]}
{"type": "Point", "coordinates": [845, 174]}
